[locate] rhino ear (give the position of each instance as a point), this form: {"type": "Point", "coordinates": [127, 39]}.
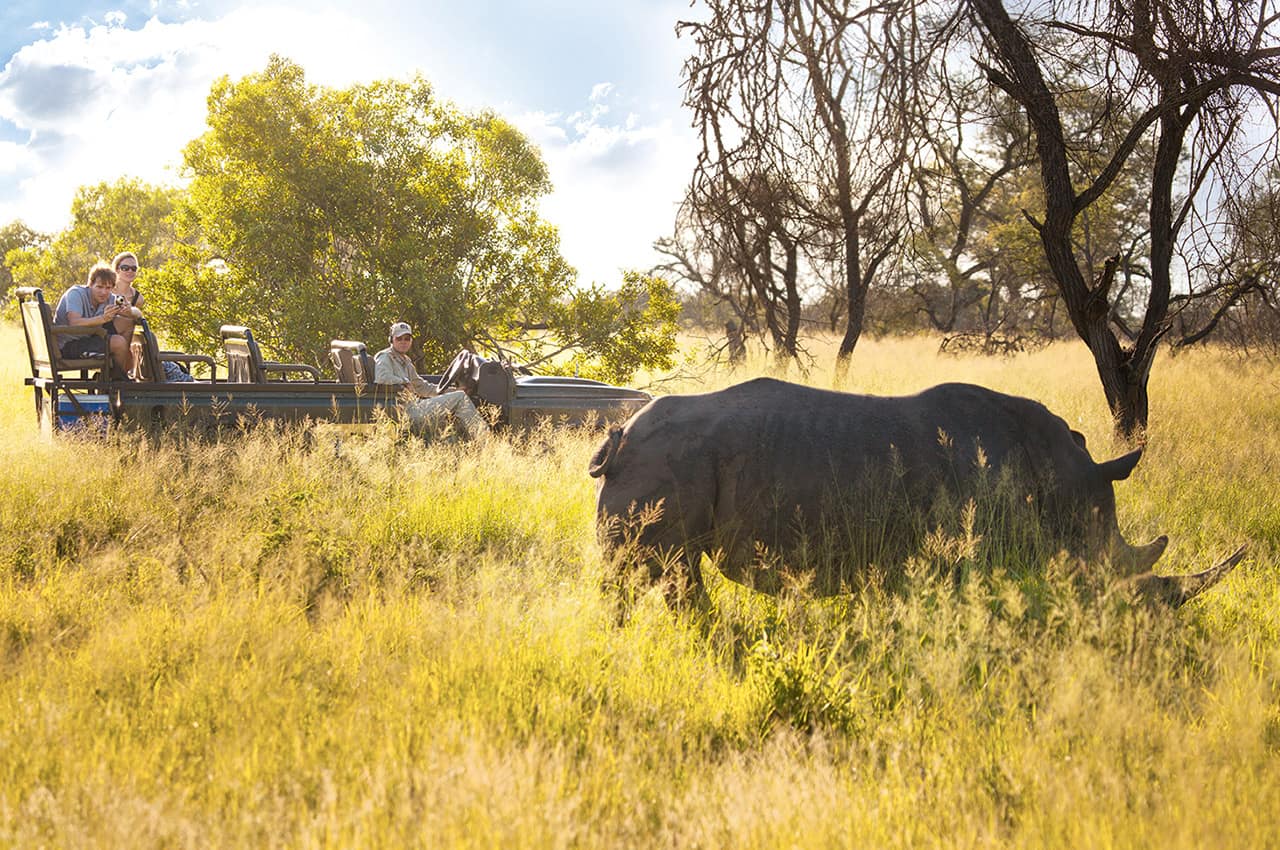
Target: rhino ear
{"type": "Point", "coordinates": [606, 453]}
{"type": "Point", "coordinates": [1079, 438]}
{"type": "Point", "coordinates": [1118, 469]}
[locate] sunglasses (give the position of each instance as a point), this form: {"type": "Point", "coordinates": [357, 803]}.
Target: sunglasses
{"type": "Point", "coordinates": [126, 268]}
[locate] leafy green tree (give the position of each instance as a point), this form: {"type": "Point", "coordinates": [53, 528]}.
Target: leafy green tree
{"type": "Point", "coordinates": [316, 213]}
{"type": "Point", "coordinates": [17, 237]}
{"type": "Point", "coordinates": [127, 215]}
{"type": "Point", "coordinates": [631, 329]}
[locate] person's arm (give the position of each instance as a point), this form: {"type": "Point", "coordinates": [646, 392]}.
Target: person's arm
{"type": "Point", "coordinates": [381, 371]}
{"type": "Point", "coordinates": [76, 311]}
{"type": "Point", "coordinates": [389, 369]}
{"type": "Point", "coordinates": [421, 387]}
{"type": "Point", "coordinates": [74, 318]}
{"type": "Point", "coordinates": [385, 370]}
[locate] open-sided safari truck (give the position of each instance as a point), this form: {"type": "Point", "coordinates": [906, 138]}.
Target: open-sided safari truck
{"type": "Point", "coordinates": [69, 392]}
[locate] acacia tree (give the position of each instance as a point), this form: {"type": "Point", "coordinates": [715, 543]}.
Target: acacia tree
{"type": "Point", "coordinates": [804, 96]}
{"type": "Point", "coordinates": [316, 213]}
{"type": "Point", "coordinates": [1237, 287]}
{"type": "Point", "coordinates": [957, 183]}
{"type": "Point", "coordinates": [1188, 73]}
{"type": "Point", "coordinates": [978, 261]}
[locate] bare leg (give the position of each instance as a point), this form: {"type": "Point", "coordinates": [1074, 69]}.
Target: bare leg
{"type": "Point", "coordinates": [120, 353]}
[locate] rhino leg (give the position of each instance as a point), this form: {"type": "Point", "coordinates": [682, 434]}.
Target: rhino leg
{"type": "Point", "coordinates": [677, 571]}
{"type": "Point", "coordinates": [681, 580]}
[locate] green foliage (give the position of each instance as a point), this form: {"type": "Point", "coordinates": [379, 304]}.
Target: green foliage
{"type": "Point", "coordinates": [318, 213]}
{"type": "Point", "coordinates": [107, 218]}
{"type": "Point", "coordinates": [18, 238]}
{"type": "Point", "coordinates": [619, 333]}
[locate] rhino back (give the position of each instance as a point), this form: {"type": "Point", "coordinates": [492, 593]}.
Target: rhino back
{"type": "Point", "coordinates": [746, 461]}
{"type": "Point", "coordinates": [780, 426]}
{"type": "Point", "coordinates": [1007, 429]}
{"type": "Point", "coordinates": [779, 446]}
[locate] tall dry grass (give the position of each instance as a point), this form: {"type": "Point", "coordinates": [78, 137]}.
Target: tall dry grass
{"type": "Point", "coordinates": [287, 638]}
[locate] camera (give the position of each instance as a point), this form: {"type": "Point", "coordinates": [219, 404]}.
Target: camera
{"type": "Point", "coordinates": [118, 300]}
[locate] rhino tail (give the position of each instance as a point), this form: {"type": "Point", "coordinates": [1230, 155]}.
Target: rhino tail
{"type": "Point", "coordinates": [604, 455]}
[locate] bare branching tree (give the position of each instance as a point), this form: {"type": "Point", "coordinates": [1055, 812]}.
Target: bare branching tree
{"type": "Point", "coordinates": [740, 243]}
{"type": "Point", "coordinates": [1182, 75]}
{"type": "Point", "coordinates": [1237, 292]}
{"type": "Point", "coordinates": [799, 104]}
{"type": "Point", "coordinates": [974, 151]}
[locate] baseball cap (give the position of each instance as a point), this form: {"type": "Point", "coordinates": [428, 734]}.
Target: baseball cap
{"type": "Point", "coordinates": [399, 329]}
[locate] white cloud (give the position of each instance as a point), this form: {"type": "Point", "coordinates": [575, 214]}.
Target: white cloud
{"type": "Point", "coordinates": [103, 101]}
{"type": "Point", "coordinates": [14, 158]}
{"type": "Point", "coordinates": [616, 185]}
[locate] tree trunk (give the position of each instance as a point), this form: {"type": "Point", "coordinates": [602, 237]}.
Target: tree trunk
{"type": "Point", "coordinates": [855, 288]}
{"type": "Point", "coordinates": [790, 278]}
{"type": "Point", "coordinates": [1124, 379]}
{"type": "Point", "coordinates": [1123, 373]}
{"type": "Point", "coordinates": [853, 324]}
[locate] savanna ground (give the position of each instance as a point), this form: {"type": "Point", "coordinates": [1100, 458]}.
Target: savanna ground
{"type": "Point", "coordinates": [279, 640]}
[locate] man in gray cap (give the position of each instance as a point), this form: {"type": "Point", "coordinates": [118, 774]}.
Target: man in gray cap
{"type": "Point", "coordinates": [392, 365]}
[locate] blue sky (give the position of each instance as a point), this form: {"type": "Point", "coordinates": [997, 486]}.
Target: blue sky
{"type": "Point", "coordinates": [95, 91]}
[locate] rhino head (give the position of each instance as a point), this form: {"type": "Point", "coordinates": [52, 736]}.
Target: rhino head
{"type": "Point", "coordinates": [1136, 562]}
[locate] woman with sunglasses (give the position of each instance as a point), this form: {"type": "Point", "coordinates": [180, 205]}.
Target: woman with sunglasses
{"type": "Point", "coordinates": [126, 266]}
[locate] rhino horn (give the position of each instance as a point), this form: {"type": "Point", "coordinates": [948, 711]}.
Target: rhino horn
{"type": "Point", "coordinates": [1138, 559]}
{"type": "Point", "coordinates": [1118, 469]}
{"type": "Point", "coordinates": [1178, 590]}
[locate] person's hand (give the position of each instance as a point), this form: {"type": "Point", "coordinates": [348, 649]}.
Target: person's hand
{"type": "Point", "coordinates": [112, 311]}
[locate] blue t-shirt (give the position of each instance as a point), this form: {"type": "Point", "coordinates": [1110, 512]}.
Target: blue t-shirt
{"type": "Point", "coordinates": [79, 300]}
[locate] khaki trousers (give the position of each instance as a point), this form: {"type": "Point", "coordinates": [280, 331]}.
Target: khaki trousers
{"type": "Point", "coordinates": [430, 414]}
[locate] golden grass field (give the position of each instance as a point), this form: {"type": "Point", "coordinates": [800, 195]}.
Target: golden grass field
{"type": "Point", "coordinates": [277, 640]}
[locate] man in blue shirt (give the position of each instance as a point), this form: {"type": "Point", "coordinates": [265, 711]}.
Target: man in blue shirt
{"type": "Point", "coordinates": [91, 305]}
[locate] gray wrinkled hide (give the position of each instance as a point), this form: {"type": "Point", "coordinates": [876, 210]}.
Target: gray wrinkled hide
{"type": "Point", "coordinates": [773, 464]}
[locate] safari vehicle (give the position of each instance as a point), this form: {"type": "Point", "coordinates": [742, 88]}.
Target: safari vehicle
{"type": "Point", "coordinates": [67, 393]}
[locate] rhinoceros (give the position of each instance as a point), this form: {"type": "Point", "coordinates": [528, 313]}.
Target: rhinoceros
{"type": "Point", "coordinates": [776, 477]}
